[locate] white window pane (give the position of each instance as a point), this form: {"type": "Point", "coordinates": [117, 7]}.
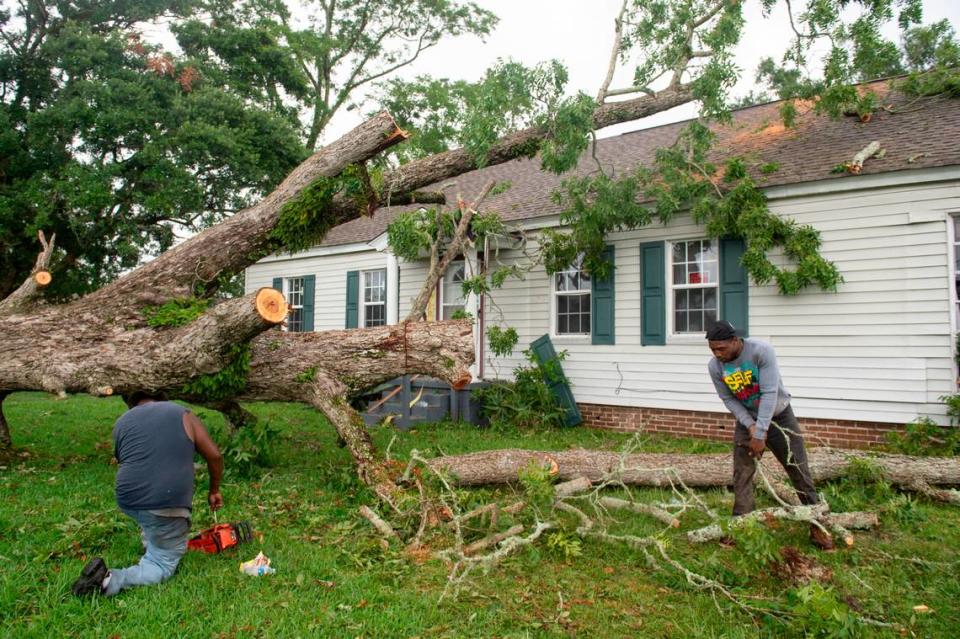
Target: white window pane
{"type": "Point", "coordinates": [710, 298]}
{"type": "Point", "coordinates": [695, 322]}
{"type": "Point", "coordinates": [679, 274]}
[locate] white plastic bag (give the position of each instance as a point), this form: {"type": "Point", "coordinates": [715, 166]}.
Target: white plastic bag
{"type": "Point", "coordinates": [259, 565]}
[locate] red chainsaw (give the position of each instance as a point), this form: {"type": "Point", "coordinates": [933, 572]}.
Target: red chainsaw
{"type": "Point", "coordinates": [220, 537]}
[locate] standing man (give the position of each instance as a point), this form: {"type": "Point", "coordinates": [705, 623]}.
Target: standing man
{"type": "Point", "coordinates": [745, 374]}
{"type": "Point", "coordinates": [154, 443]}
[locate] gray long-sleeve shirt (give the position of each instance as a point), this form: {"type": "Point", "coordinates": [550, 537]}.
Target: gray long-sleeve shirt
{"type": "Point", "coordinates": [750, 386]}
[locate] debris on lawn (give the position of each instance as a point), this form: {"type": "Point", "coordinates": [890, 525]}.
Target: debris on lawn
{"type": "Point", "coordinates": [258, 566]}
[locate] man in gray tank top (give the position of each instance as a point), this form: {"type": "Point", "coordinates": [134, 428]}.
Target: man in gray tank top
{"type": "Point", "coordinates": [154, 443]}
{"type": "Point", "coordinates": [747, 379]}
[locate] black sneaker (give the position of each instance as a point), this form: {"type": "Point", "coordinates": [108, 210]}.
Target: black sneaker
{"type": "Point", "coordinates": [91, 578]}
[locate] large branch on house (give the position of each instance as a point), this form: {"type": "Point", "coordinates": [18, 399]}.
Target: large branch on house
{"type": "Point", "coordinates": [693, 470]}
{"type": "Point", "coordinates": [21, 299]}
{"type": "Point", "coordinates": [420, 173]}
{"type": "Point", "coordinates": [227, 248]}
{"type": "Point", "coordinates": [418, 310]}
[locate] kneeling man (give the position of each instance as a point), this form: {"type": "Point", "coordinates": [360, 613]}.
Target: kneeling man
{"type": "Point", "coordinates": [154, 443]}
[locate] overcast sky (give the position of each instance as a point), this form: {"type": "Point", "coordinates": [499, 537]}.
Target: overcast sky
{"type": "Point", "coordinates": [580, 34]}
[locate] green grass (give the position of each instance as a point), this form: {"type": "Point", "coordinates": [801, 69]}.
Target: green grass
{"type": "Point", "coordinates": [335, 580]}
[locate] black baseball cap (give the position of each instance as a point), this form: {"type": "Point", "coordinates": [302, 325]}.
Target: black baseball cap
{"type": "Point", "coordinates": [721, 330]}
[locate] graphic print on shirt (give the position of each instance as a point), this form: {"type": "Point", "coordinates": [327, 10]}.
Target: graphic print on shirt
{"type": "Point", "coordinates": [744, 382]}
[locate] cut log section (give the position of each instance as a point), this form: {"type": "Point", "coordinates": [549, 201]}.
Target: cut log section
{"type": "Point", "coordinates": [271, 305]}
{"type": "Point", "coordinates": [693, 470]}
{"type": "Point", "coordinates": [42, 278]}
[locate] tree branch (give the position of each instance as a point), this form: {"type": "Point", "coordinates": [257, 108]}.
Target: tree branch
{"type": "Point", "coordinates": [39, 278]}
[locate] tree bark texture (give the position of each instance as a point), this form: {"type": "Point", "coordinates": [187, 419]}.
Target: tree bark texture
{"type": "Point", "coordinates": [60, 351]}
{"type": "Point", "coordinates": [324, 368]}
{"type": "Point", "coordinates": [25, 295]}
{"type": "Point", "coordinates": [5, 440]}
{"type": "Point", "coordinates": [423, 172]}
{"type": "Point", "coordinates": [694, 470]}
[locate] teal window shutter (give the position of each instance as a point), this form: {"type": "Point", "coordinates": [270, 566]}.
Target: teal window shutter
{"type": "Point", "coordinates": [309, 285]}
{"type": "Point", "coordinates": [278, 284]}
{"type": "Point", "coordinates": [353, 299]}
{"type": "Point", "coordinates": [546, 356]}
{"type": "Point", "coordinates": [603, 304]}
{"type": "Point", "coordinates": [734, 285]}
{"type": "Point", "coordinates": [653, 295]}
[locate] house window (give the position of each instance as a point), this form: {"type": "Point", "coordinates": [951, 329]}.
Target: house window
{"type": "Point", "coordinates": [451, 290]}
{"type": "Point", "coordinates": [293, 291]}
{"type": "Point", "coordinates": [694, 285]}
{"type": "Point", "coordinates": [572, 293]}
{"type": "Point", "coordinates": [374, 306]}
{"type": "Point", "coordinates": [956, 266]}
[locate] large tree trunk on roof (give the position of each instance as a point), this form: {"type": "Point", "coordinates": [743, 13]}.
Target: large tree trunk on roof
{"type": "Point", "coordinates": [694, 470]}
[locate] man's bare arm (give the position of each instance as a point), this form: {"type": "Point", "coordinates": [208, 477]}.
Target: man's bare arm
{"type": "Point", "coordinates": [209, 451]}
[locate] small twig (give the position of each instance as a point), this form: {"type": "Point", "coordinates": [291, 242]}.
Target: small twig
{"type": "Point", "coordinates": [380, 524]}
{"type": "Point", "coordinates": [491, 540]}
{"type": "Point", "coordinates": [646, 509]}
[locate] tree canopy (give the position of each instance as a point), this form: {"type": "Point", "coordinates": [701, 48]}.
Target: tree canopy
{"type": "Point", "coordinates": [118, 145]}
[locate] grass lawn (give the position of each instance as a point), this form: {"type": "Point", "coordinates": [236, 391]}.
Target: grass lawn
{"type": "Point", "coordinates": [335, 580]}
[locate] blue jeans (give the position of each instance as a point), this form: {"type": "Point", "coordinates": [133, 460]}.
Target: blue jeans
{"type": "Point", "coordinates": [165, 541]}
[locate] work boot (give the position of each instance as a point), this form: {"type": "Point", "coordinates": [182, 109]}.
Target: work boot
{"type": "Point", "coordinates": [90, 581]}
{"type": "Point", "coordinates": [820, 538]}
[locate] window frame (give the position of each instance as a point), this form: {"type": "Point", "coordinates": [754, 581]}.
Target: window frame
{"type": "Point", "coordinates": [442, 287]}
{"type": "Point", "coordinates": [363, 304]}
{"type": "Point", "coordinates": [287, 290]}
{"type": "Point", "coordinates": [555, 294]}
{"type": "Point", "coordinates": [953, 246]}
{"type": "Point", "coordinates": [672, 334]}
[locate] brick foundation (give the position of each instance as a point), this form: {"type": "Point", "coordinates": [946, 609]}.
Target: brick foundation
{"type": "Point", "coordinates": [718, 426]}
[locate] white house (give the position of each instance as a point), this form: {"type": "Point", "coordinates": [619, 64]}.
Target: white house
{"type": "Point", "coordinates": [858, 362]}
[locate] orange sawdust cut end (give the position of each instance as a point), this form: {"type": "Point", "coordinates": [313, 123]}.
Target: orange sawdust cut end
{"type": "Point", "coordinates": [271, 305]}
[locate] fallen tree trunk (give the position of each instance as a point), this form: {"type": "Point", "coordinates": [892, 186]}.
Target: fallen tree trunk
{"type": "Point", "coordinates": [59, 352]}
{"type": "Point", "coordinates": [693, 470]}
{"type": "Point", "coordinates": [324, 369]}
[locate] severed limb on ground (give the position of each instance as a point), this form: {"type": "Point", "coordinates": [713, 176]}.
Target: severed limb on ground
{"type": "Point", "coordinates": [927, 475]}
{"type": "Point", "coordinates": [556, 506]}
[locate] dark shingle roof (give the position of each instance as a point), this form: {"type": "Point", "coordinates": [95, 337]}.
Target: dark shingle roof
{"type": "Point", "coordinates": [915, 134]}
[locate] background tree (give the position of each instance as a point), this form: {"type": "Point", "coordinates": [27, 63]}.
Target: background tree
{"type": "Point", "coordinates": [116, 145]}
{"type": "Point", "coordinates": [315, 57]}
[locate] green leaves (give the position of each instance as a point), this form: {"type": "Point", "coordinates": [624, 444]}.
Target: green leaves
{"type": "Point", "coordinates": [510, 96]}
{"type": "Point", "coordinates": [175, 312]}
{"type": "Point", "coordinates": [226, 383]}
{"type": "Point", "coordinates": [116, 145]}
{"type": "Point", "coordinates": [683, 180]}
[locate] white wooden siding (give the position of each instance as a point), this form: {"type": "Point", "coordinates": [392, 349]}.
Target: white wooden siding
{"type": "Point", "coordinates": [330, 296]}
{"type": "Point", "coordinates": [880, 349]}
{"type": "Point", "coordinates": [412, 275]}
